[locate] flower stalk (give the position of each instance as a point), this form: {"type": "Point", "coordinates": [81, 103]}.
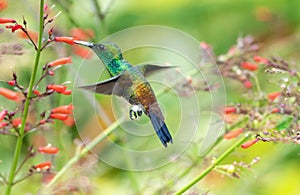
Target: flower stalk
{"type": "Point", "coordinates": [212, 166]}
{"type": "Point", "coordinates": [26, 105]}
{"type": "Point", "coordinates": [84, 151]}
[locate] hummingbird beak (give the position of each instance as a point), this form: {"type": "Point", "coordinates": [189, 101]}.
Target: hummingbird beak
{"type": "Point", "coordinates": [84, 43]}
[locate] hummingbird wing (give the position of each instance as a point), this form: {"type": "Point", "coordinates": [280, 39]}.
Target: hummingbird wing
{"type": "Point", "coordinates": [104, 87]}
{"type": "Point", "coordinates": [148, 69]}
{"type": "Point", "coordinates": [159, 124]}
{"type": "Point", "coordinates": [117, 85]}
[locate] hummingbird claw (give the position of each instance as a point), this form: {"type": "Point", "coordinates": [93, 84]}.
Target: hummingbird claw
{"type": "Point", "coordinates": [135, 112]}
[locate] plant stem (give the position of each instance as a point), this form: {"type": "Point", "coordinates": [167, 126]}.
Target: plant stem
{"type": "Point", "coordinates": [85, 150]}
{"type": "Point", "coordinates": [257, 85]}
{"type": "Point", "coordinates": [132, 175]}
{"type": "Point", "coordinates": [22, 163]}
{"type": "Point", "coordinates": [181, 175]}
{"type": "Point", "coordinates": [211, 167]}
{"type": "Point", "coordinates": [19, 144]}
{"type": "Point", "coordinates": [23, 178]}
{"type": "Point", "coordinates": [2, 179]}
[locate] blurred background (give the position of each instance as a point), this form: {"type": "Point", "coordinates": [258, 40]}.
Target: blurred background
{"type": "Point", "coordinates": [275, 25]}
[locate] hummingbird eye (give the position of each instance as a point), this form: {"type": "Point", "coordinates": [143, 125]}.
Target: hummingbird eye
{"type": "Point", "coordinates": [102, 47]}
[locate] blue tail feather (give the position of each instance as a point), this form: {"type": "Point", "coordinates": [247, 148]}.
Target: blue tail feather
{"type": "Point", "coordinates": [161, 129]}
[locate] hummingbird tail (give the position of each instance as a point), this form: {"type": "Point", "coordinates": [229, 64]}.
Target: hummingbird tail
{"type": "Point", "coordinates": [161, 129]}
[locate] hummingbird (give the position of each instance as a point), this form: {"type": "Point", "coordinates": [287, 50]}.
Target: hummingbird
{"type": "Point", "coordinates": [129, 82]}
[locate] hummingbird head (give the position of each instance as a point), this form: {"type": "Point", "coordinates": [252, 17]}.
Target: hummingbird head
{"type": "Point", "coordinates": [106, 51]}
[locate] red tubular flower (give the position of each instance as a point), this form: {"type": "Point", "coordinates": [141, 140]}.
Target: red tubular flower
{"type": "Point", "coordinates": [275, 110]}
{"type": "Point", "coordinates": [3, 5]}
{"type": "Point", "coordinates": [43, 166]}
{"type": "Point", "coordinates": [70, 121]}
{"type": "Point", "coordinates": [4, 124]}
{"type": "Point", "coordinates": [3, 113]}
{"type": "Point", "coordinates": [229, 110]}
{"type": "Point", "coordinates": [45, 8]}
{"type": "Point", "coordinates": [59, 116]}
{"type": "Point", "coordinates": [57, 88]}
{"type": "Point", "coordinates": [50, 32]}
{"type": "Point", "coordinates": [67, 92]}
{"type": "Point", "coordinates": [42, 122]}
{"type": "Point", "coordinates": [205, 46]}
{"type": "Point", "coordinates": [60, 61]}
{"type": "Point", "coordinates": [260, 59]}
{"type": "Point", "coordinates": [7, 20]}
{"type": "Point", "coordinates": [65, 109]}
{"type": "Point", "coordinates": [233, 133]}
{"type": "Point", "coordinates": [9, 94]}
{"type": "Point", "coordinates": [15, 27]}
{"type": "Point", "coordinates": [273, 96]}
{"type": "Point", "coordinates": [68, 40]}
{"type": "Point", "coordinates": [16, 122]}
{"type": "Point", "coordinates": [51, 73]}
{"type": "Point", "coordinates": [36, 92]}
{"type": "Point", "coordinates": [249, 143]}
{"type": "Point", "coordinates": [48, 150]}
{"type": "Point", "coordinates": [249, 66]}
{"type": "Point", "coordinates": [12, 83]}
{"type": "Point", "coordinates": [248, 84]}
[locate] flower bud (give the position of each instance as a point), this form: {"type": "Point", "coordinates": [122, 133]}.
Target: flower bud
{"type": "Point", "coordinates": [3, 113]}
{"type": "Point", "coordinates": [60, 61]}
{"type": "Point", "coordinates": [249, 143]}
{"type": "Point", "coordinates": [9, 94]}
{"type": "Point", "coordinates": [273, 96]}
{"type": "Point", "coordinates": [36, 92]}
{"type": "Point", "coordinates": [229, 109]}
{"type": "Point", "coordinates": [57, 88]}
{"type": "Point", "coordinates": [248, 84]}
{"type": "Point", "coordinates": [12, 83]}
{"type": "Point", "coordinates": [43, 166]}
{"type": "Point", "coordinates": [59, 116]}
{"type": "Point", "coordinates": [7, 20]}
{"type": "Point", "coordinates": [249, 66]}
{"type": "Point", "coordinates": [68, 40]}
{"type": "Point", "coordinates": [65, 109]}
{"type": "Point", "coordinates": [14, 27]}
{"type": "Point", "coordinates": [260, 59]}
{"type": "Point", "coordinates": [275, 110]}
{"type": "Point", "coordinates": [16, 122]}
{"type": "Point", "coordinates": [48, 150]}
{"type": "Point", "coordinates": [233, 134]}
{"type": "Point", "coordinates": [4, 124]}
{"type": "Point", "coordinates": [67, 92]}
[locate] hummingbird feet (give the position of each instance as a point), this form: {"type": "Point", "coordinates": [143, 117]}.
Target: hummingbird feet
{"type": "Point", "coordinates": [135, 112]}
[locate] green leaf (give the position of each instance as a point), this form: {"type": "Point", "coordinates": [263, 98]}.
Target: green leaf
{"type": "Point", "coordinates": [284, 124]}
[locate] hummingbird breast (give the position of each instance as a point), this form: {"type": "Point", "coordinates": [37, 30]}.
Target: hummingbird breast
{"type": "Point", "coordinates": [145, 95]}
{"type": "Point", "coordinates": [142, 90]}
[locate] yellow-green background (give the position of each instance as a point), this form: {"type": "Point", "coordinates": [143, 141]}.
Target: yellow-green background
{"type": "Point", "coordinates": [217, 22]}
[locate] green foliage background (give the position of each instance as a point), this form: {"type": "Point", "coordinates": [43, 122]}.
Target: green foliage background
{"type": "Point", "coordinates": [217, 22]}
